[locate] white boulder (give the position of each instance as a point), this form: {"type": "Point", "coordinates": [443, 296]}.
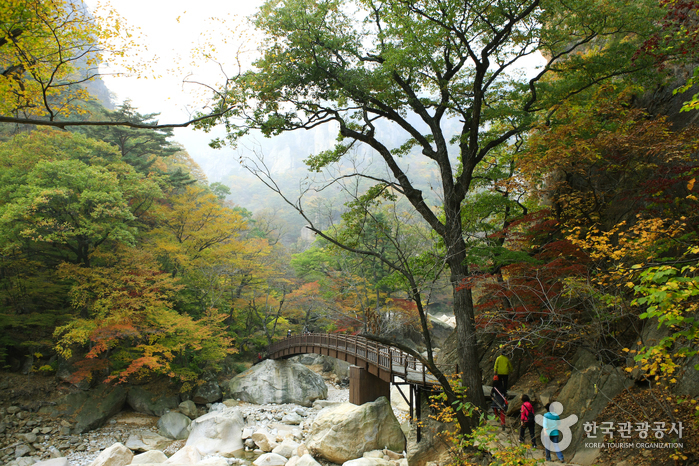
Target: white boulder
{"type": "Point", "coordinates": [145, 440]}
{"type": "Point", "coordinates": [287, 448]}
{"type": "Point", "coordinates": [345, 432]}
{"type": "Point", "coordinates": [185, 455]}
{"type": "Point", "coordinates": [218, 432]}
{"type": "Point", "coordinates": [150, 457]}
{"type": "Point", "coordinates": [270, 459]}
{"type": "Point", "coordinates": [278, 382]}
{"type": "Point", "coordinates": [174, 425]}
{"type": "Point", "coordinates": [307, 460]}
{"type": "Point", "coordinates": [62, 461]}
{"type": "Point", "coordinates": [264, 440]}
{"type": "Point", "coordinates": [116, 455]}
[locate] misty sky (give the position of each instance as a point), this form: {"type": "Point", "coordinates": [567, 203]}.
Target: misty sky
{"type": "Point", "coordinates": [171, 41]}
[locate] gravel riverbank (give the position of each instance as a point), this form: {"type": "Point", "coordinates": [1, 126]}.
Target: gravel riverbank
{"type": "Point", "coordinates": [81, 450]}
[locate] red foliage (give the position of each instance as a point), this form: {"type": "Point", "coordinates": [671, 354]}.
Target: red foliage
{"type": "Point", "coordinates": [680, 22]}
{"type": "Point", "coordinates": [525, 302]}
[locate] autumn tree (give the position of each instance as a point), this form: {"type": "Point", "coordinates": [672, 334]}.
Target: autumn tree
{"type": "Point", "coordinates": [124, 318]}
{"type": "Point", "coordinates": [413, 68]}
{"type": "Point", "coordinates": [309, 307]}
{"type": "Point", "coordinates": [616, 184]}
{"type": "Point", "coordinates": [193, 225]}
{"type": "Point", "coordinates": [48, 52]}
{"type": "Point", "coordinates": [64, 196]}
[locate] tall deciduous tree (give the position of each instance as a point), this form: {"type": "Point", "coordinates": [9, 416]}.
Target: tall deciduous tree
{"type": "Point", "coordinates": [376, 68]}
{"type": "Point", "coordinates": [64, 195]}
{"type": "Point", "coordinates": [49, 50]}
{"type": "Point", "coordinates": [125, 315]}
{"type": "Point", "coordinates": [194, 224]}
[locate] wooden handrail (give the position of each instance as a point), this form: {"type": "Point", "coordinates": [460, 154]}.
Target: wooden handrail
{"type": "Point", "coordinates": [383, 356]}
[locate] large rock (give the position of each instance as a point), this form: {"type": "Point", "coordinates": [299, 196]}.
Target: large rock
{"type": "Point", "coordinates": [189, 409]}
{"type": "Point", "coordinates": [586, 394]}
{"type": "Point", "coordinates": [174, 426]}
{"type": "Point", "coordinates": [264, 440]}
{"type": "Point", "coordinates": [336, 366]}
{"type": "Point", "coordinates": [155, 404]}
{"type": "Point", "coordinates": [286, 449]}
{"type": "Point", "coordinates": [54, 462]}
{"type": "Point", "coordinates": [345, 432]}
{"type": "Point", "coordinates": [116, 455]}
{"type": "Point", "coordinates": [309, 359]}
{"type": "Point", "coordinates": [145, 440]}
{"type": "Point", "coordinates": [150, 457]}
{"type": "Point", "coordinates": [688, 378]}
{"type": "Point", "coordinates": [207, 392]}
{"type": "Point", "coordinates": [185, 455]}
{"type": "Point", "coordinates": [91, 409]}
{"type": "Point", "coordinates": [270, 459]}
{"type": "Point", "coordinates": [583, 358]}
{"type": "Point", "coordinates": [278, 382]}
{"type": "Point", "coordinates": [439, 330]}
{"type": "Point", "coordinates": [397, 400]}
{"type": "Point", "coordinates": [218, 433]}
{"type": "Point", "coordinates": [307, 460]}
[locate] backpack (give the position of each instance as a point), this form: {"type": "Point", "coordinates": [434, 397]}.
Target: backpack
{"type": "Point", "coordinates": [528, 414]}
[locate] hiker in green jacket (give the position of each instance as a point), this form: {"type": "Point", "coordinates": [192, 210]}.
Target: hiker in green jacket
{"type": "Point", "coordinates": [503, 367]}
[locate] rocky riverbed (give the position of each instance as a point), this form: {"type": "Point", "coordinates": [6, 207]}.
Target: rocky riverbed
{"type": "Point", "coordinates": [27, 437]}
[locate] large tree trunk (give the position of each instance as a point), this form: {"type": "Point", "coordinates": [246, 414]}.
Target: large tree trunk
{"type": "Point", "coordinates": [465, 316]}
{"type": "Point", "coordinates": [467, 341]}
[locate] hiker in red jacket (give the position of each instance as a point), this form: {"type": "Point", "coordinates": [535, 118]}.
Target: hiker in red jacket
{"type": "Point", "coordinates": [526, 416]}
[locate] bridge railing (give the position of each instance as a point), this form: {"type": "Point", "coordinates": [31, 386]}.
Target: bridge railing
{"type": "Point", "coordinates": [391, 359]}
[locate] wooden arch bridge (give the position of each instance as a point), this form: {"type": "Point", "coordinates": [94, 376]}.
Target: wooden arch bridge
{"type": "Point", "coordinates": [374, 366]}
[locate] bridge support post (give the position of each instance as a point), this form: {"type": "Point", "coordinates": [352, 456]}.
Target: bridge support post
{"type": "Point", "coordinates": [366, 387]}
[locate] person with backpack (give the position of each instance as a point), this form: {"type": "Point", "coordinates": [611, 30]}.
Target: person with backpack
{"type": "Point", "coordinates": [499, 403]}
{"type": "Point", "coordinates": [526, 416]}
{"type": "Point", "coordinates": [502, 369]}
{"type": "Point", "coordinates": [551, 420]}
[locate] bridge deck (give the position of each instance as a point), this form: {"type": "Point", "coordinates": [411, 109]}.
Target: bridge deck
{"type": "Point", "coordinates": [386, 361]}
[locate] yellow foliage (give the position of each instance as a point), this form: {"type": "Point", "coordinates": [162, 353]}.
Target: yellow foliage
{"type": "Point", "coordinates": [127, 319]}
{"type": "Point", "coordinates": [195, 225]}
{"type": "Point", "coordinates": [49, 49]}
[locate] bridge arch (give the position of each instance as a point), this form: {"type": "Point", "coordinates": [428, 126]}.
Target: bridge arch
{"type": "Point", "coordinates": [374, 366]}
{"type": "Point", "coordinates": [383, 361]}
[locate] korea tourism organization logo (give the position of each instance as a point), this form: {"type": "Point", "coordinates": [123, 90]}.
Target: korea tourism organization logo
{"type": "Point", "coordinates": [620, 435]}
{"type": "Point", "coordinates": [556, 434]}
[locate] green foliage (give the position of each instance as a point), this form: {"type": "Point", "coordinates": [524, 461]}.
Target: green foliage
{"type": "Point", "coordinates": [220, 190]}
{"type": "Point", "coordinates": [125, 318]}
{"type": "Point", "coordinates": [71, 201]}
{"type": "Point", "coordinates": [239, 368]}
{"type": "Point", "coordinates": [669, 294]}
{"type": "Point", "coordinates": [140, 148]}
{"type": "Point", "coordinates": [483, 438]}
